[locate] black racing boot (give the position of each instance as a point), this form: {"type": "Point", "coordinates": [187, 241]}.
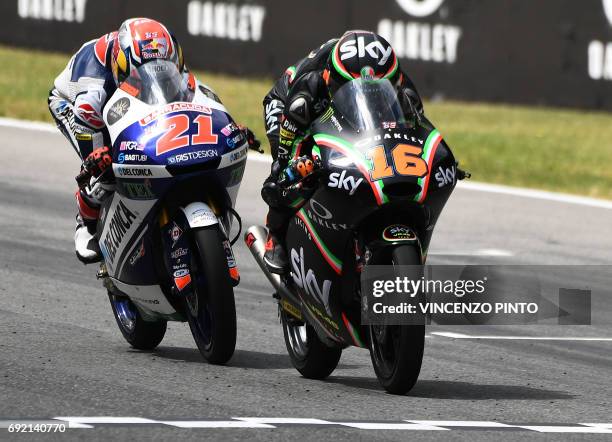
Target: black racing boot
{"type": "Point", "coordinates": [275, 256]}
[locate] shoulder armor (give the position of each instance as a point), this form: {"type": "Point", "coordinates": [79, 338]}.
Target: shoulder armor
{"type": "Point", "coordinates": [103, 47]}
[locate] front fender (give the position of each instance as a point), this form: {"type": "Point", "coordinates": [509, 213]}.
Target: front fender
{"type": "Point", "coordinates": [199, 214]}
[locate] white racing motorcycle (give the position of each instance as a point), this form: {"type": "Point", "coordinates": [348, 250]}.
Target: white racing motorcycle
{"type": "Point", "coordinates": [178, 160]}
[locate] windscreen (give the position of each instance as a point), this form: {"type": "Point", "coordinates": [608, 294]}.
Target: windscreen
{"type": "Point", "coordinates": [159, 82]}
{"type": "Point", "coordinates": [369, 105]}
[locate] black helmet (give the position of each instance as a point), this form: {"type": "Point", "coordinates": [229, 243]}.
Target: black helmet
{"type": "Point", "coordinates": [357, 54]}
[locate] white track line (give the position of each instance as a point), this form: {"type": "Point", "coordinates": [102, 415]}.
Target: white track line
{"type": "Point", "coordinates": [391, 426]}
{"type": "Point", "coordinates": [215, 424]}
{"type": "Point", "coordinates": [482, 424]}
{"type": "Point", "coordinates": [606, 426]}
{"type": "Point", "coordinates": [518, 338]}
{"type": "Point", "coordinates": [565, 429]}
{"type": "Point", "coordinates": [474, 186]}
{"type": "Point", "coordinates": [479, 252]}
{"type": "Point", "coordinates": [28, 125]}
{"type": "Point", "coordinates": [289, 422]}
{"type": "Point", "coordinates": [535, 194]}
{"type": "Point", "coordinates": [284, 420]}
{"type": "Point", "coordinates": [106, 420]}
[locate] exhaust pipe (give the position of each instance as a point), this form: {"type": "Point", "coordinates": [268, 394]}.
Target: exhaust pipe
{"type": "Point", "coordinates": [255, 239]}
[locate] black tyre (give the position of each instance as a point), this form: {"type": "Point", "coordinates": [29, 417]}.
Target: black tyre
{"type": "Point", "coordinates": [210, 309]}
{"type": "Point", "coordinates": [397, 350]}
{"type": "Point", "coordinates": [311, 357]}
{"type": "Point", "coordinates": [140, 334]}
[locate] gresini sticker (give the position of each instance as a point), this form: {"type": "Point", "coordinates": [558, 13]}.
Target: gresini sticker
{"type": "Point", "coordinates": [118, 110]}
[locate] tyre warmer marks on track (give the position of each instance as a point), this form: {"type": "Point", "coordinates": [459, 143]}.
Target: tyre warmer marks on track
{"type": "Point", "coordinates": [280, 422]}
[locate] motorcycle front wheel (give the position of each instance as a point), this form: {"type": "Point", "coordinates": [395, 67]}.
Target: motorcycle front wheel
{"type": "Point", "coordinates": [397, 350]}
{"type": "Point", "coordinates": [210, 308]}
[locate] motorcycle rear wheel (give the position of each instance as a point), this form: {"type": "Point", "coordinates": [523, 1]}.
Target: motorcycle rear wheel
{"type": "Point", "coordinates": [211, 309]}
{"type": "Point", "coordinates": [140, 334]}
{"type": "Point", "coordinates": [397, 350]}
{"type": "Point", "coordinates": [311, 357]}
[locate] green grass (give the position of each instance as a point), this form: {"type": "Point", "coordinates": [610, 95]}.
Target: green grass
{"type": "Point", "coordinates": [559, 150]}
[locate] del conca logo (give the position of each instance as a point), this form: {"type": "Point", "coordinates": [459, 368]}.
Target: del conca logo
{"type": "Point", "coordinates": [420, 8]}
{"type": "Point", "coordinates": [56, 10]}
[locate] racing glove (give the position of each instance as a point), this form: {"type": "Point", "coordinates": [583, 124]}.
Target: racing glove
{"type": "Point", "coordinates": [285, 185]}
{"type": "Point", "coordinates": [94, 165]}
{"type": "Point", "coordinates": [297, 169]}
{"type": "Point", "coordinates": [254, 143]}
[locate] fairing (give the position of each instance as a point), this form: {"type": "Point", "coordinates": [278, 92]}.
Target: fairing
{"type": "Point", "coordinates": [376, 173]}
{"type": "Point", "coordinates": [165, 156]}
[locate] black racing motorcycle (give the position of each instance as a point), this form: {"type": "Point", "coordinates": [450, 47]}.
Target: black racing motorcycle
{"type": "Point", "coordinates": [384, 176]}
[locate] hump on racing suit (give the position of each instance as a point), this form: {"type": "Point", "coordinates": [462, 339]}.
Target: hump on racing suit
{"type": "Point", "coordinates": [79, 94]}
{"type": "Point", "coordinates": [274, 102]}
{"type": "Point", "coordinates": [309, 79]}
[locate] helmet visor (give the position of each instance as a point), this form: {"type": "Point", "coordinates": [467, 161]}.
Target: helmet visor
{"type": "Point", "coordinates": [159, 82]}
{"type": "Point", "coordinates": [369, 104]}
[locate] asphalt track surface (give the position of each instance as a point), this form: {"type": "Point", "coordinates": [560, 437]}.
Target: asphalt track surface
{"type": "Point", "coordinates": [61, 353]}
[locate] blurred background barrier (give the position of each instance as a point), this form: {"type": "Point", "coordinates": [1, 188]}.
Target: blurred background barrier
{"type": "Point", "coordinates": [549, 52]}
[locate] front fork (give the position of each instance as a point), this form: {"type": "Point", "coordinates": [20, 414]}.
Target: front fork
{"type": "Point", "coordinates": [177, 244]}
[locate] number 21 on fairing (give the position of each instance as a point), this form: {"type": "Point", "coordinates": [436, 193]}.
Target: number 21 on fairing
{"type": "Point", "coordinates": [175, 138]}
{"type": "Point", "coordinates": [407, 161]}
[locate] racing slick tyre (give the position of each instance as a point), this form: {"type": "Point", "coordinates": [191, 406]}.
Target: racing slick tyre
{"type": "Point", "coordinates": [140, 334]}
{"type": "Point", "coordinates": [210, 308]}
{"type": "Point", "coordinates": [397, 350]}
{"type": "Point", "coordinates": [311, 357]}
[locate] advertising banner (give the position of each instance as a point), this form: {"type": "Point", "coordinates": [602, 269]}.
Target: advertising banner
{"type": "Point", "coordinates": [544, 52]}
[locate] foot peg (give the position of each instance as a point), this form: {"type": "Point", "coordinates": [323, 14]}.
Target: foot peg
{"type": "Point", "coordinates": [102, 272]}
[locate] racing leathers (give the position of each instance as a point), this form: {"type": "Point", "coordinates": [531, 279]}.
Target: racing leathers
{"type": "Point", "coordinates": [76, 102]}
{"type": "Point", "coordinates": [298, 97]}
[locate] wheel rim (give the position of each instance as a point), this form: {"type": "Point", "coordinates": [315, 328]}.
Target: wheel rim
{"type": "Point", "coordinates": [385, 345]}
{"type": "Point", "coordinates": [202, 318]}
{"type": "Point", "coordinates": [126, 313]}
{"type": "Point", "coordinates": [297, 334]}
{"type": "Point", "coordinates": [384, 342]}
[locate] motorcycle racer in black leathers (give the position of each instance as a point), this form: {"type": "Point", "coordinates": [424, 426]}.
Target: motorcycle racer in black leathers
{"type": "Point", "coordinates": [303, 93]}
